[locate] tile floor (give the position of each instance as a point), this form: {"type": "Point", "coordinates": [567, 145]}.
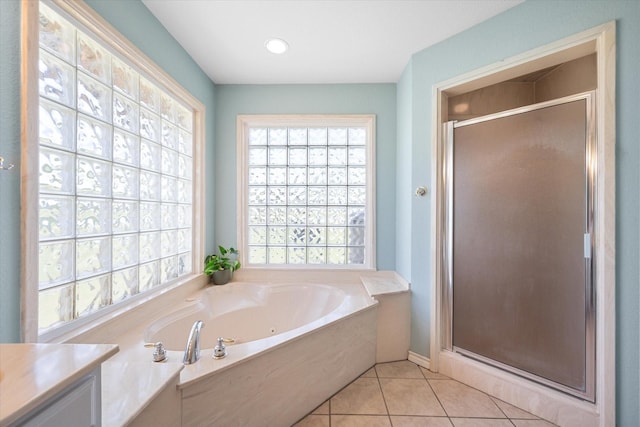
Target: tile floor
{"type": "Point", "coordinates": [403, 394]}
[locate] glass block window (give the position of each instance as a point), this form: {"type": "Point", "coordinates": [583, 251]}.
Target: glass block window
{"type": "Point", "coordinates": [115, 176]}
{"type": "Point", "coordinates": [309, 191]}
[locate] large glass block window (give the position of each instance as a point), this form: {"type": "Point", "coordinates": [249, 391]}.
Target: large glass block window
{"type": "Point", "coordinates": [309, 191]}
{"type": "Point", "coordinates": [115, 186]}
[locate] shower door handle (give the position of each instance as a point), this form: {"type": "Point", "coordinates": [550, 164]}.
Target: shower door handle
{"type": "Point", "coordinates": [587, 245]}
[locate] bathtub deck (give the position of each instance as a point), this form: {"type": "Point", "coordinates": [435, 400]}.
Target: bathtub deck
{"type": "Point", "coordinates": [128, 388]}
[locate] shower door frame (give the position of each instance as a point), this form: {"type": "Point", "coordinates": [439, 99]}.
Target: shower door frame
{"type": "Point", "coordinates": [589, 249]}
{"type": "Point", "coordinates": [537, 399]}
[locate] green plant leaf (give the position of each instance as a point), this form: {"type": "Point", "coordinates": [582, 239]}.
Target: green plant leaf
{"type": "Point", "coordinates": [219, 262]}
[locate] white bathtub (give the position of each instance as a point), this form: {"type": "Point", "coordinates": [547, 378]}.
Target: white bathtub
{"type": "Point", "coordinates": [295, 346]}
{"type": "Point", "coordinates": [247, 312]}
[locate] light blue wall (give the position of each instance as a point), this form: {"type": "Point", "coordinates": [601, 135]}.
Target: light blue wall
{"type": "Point", "coordinates": [133, 20]}
{"type": "Point", "coordinates": [404, 190]}
{"type": "Point", "coordinates": [378, 99]}
{"type": "Point", "coordinates": [524, 27]}
{"type": "Point", "coordinates": [10, 181]}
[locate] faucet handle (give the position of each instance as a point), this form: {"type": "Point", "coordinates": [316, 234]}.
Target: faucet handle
{"type": "Point", "coordinates": [220, 350]}
{"type": "Point", "coordinates": [159, 354]}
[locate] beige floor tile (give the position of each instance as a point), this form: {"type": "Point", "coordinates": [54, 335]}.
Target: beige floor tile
{"type": "Point", "coordinates": [513, 412]}
{"type": "Point", "coordinates": [481, 422]}
{"type": "Point", "coordinates": [363, 396]}
{"type": "Point", "coordinates": [400, 369]}
{"type": "Point", "coordinates": [460, 400]}
{"type": "Point", "coordinates": [371, 373]}
{"type": "Point", "coordinates": [532, 423]}
{"type": "Point", "coordinates": [360, 421]}
{"type": "Point", "coordinates": [314, 421]}
{"type": "Point", "coordinates": [410, 397]}
{"type": "Point", "coordinates": [322, 409]}
{"type": "Point", "coordinates": [406, 421]}
{"type": "Point", "coordinates": [433, 375]}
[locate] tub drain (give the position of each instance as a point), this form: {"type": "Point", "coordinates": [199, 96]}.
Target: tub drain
{"type": "Point", "coordinates": [272, 330]}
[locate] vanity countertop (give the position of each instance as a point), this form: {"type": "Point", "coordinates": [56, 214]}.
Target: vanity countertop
{"type": "Point", "coordinates": [32, 373]}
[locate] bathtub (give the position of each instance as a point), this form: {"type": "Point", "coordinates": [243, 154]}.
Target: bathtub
{"type": "Point", "coordinates": [290, 347]}
{"type": "Point", "coordinates": [248, 312]}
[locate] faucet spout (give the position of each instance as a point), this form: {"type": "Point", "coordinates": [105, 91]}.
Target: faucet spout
{"type": "Point", "coordinates": [192, 351]}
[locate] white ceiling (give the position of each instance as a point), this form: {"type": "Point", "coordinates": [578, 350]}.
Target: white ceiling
{"type": "Point", "coordinates": [331, 41]}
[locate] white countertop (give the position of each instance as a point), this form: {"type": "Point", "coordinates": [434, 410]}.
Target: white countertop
{"type": "Point", "coordinates": [32, 373]}
{"type": "Point", "coordinates": [384, 283]}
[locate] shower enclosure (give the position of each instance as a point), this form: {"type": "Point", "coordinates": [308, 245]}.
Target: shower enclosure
{"type": "Point", "coordinates": [518, 267]}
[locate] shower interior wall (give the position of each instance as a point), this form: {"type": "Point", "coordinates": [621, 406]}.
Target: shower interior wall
{"type": "Point", "coordinates": [569, 78]}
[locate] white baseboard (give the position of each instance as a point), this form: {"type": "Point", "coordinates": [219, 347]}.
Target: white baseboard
{"type": "Point", "coordinates": [419, 359]}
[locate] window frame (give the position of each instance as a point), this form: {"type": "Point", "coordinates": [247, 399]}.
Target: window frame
{"type": "Point", "coordinates": [246, 121]}
{"type": "Point", "coordinates": [107, 34]}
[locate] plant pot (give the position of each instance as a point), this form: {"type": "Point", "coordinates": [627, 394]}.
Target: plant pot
{"type": "Point", "coordinates": [222, 277]}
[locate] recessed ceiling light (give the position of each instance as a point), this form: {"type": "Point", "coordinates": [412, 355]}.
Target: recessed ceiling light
{"type": "Point", "coordinates": [276, 46]}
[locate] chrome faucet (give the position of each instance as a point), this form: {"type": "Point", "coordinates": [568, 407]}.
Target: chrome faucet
{"type": "Point", "coordinates": [192, 351]}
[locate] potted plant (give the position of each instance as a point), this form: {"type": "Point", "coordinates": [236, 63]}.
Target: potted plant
{"type": "Point", "coordinates": [220, 267]}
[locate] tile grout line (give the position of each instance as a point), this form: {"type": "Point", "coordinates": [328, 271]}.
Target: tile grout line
{"type": "Point", "coordinates": [493, 399]}
{"type": "Point", "coordinates": [436, 395]}
{"type": "Point", "coordinates": [386, 407]}
{"type": "Point", "coordinates": [516, 418]}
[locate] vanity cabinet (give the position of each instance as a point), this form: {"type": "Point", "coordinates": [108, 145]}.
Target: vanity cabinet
{"type": "Point", "coordinates": [52, 385]}
{"type": "Point", "coordinates": [77, 405]}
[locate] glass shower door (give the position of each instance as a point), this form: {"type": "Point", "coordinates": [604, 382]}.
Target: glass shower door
{"type": "Point", "coordinates": [520, 219]}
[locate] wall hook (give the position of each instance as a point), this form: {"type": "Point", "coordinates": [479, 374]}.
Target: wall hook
{"type": "Point", "coordinates": [421, 191]}
{"type": "Point", "coordinates": [3, 167]}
